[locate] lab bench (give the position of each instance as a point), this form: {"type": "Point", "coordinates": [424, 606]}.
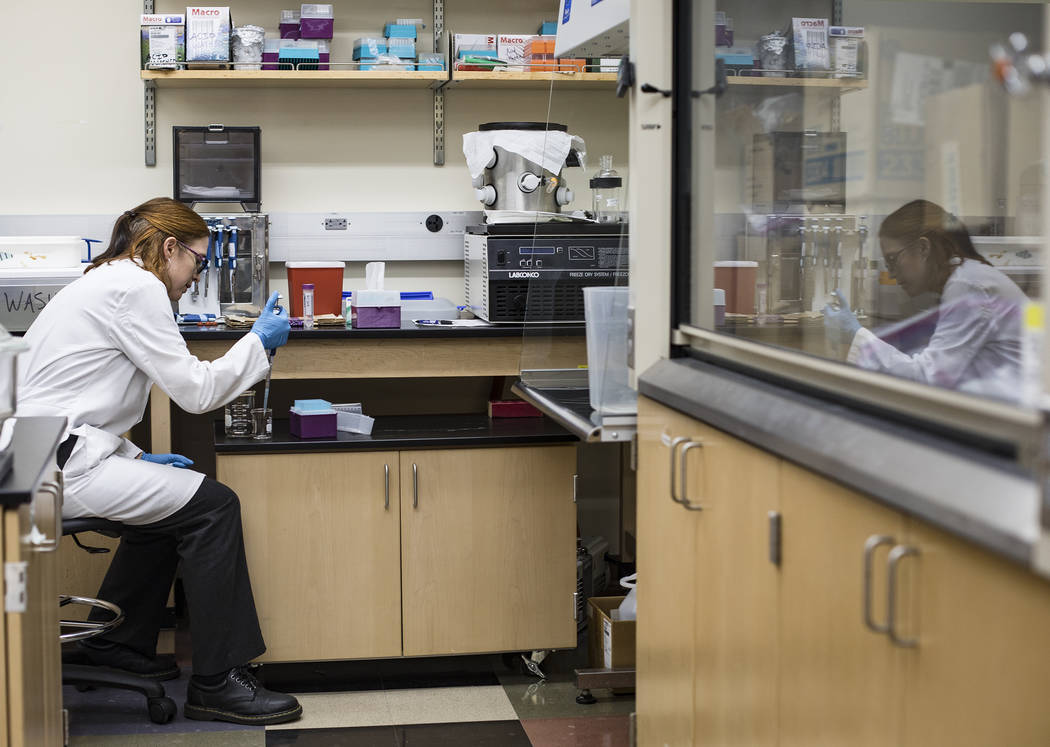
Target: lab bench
{"type": "Point", "coordinates": [435, 535]}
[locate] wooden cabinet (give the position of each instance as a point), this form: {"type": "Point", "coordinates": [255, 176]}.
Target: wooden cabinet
{"type": "Point", "coordinates": [841, 680]}
{"type": "Point", "coordinates": [733, 650]}
{"type": "Point", "coordinates": [31, 654]}
{"type": "Point", "coordinates": [707, 644]}
{"type": "Point", "coordinates": [322, 538]}
{"type": "Point", "coordinates": [458, 550]}
{"type": "Point", "coordinates": [488, 549]}
{"type": "Point", "coordinates": [980, 672]}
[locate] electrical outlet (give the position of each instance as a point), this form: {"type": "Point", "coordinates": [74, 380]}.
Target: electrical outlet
{"type": "Point", "coordinates": [335, 224]}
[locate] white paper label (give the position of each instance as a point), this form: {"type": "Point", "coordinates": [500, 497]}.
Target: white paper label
{"type": "Point", "coordinates": [607, 642]}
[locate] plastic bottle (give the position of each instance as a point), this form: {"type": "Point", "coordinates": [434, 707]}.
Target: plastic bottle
{"type": "Point", "coordinates": [308, 305]}
{"type": "Point", "coordinates": [606, 188]}
{"type": "Point", "coordinates": [348, 307]}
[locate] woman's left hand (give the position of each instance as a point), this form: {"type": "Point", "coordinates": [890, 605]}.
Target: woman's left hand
{"type": "Point", "coordinates": [840, 325]}
{"type": "Point", "coordinates": [175, 460]}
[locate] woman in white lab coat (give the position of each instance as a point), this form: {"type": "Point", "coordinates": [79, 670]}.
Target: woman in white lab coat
{"type": "Point", "coordinates": [976, 341]}
{"type": "Point", "coordinates": [94, 351]}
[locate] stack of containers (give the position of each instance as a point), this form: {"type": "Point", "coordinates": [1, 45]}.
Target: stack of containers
{"type": "Point", "coordinates": [366, 51]}
{"type": "Point", "coordinates": [317, 22]}
{"type": "Point", "coordinates": [288, 28]}
{"type": "Point", "coordinates": [301, 54]}
{"type": "Point", "coordinates": [401, 41]}
{"type": "Point", "coordinates": [539, 51]}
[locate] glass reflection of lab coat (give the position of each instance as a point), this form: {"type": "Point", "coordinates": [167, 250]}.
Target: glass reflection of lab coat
{"type": "Point", "coordinates": [976, 342]}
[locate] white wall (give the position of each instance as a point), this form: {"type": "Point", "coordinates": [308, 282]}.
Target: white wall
{"type": "Point", "coordinates": [71, 121]}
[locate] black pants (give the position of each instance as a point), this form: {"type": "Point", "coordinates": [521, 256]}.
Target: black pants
{"type": "Point", "coordinates": [205, 536]}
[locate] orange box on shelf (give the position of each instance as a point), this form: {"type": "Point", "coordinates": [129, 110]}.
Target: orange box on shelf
{"type": "Point", "coordinates": [539, 45]}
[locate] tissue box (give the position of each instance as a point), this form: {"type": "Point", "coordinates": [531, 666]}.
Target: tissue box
{"type": "Point", "coordinates": [433, 61]}
{"type": "Point", "coordinates": [208, 34]}
{"type": "Point", "coordinates": [405, 49]}
{"type": "Point", "coordinates": [316, 21]}
{"type": "Point", "coordinates": [369, 48]}
{"type": "Point", "coordinates": [400, 31]}
{"type": "Point", "coordinates": [163, 40]}
{"type": "Point", "coordinates": [376, 309]}
{"type": "Point", "coordinates": [314, 423]}
{"type": "Point", "coordinates": [288, 28]}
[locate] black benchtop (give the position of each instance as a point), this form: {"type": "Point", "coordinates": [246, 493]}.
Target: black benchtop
{"type": "Point", "coordinates": [34, 444]}
{"type": "Point", "coordinates": [408, 330]}
{"type": "Point", "coordinates": [408, 432]}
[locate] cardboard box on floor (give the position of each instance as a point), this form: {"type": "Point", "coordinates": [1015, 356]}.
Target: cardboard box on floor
{"type": "Point", "coordinates": [610, 642]}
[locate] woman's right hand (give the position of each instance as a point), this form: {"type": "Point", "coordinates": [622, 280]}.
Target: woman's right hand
{"type": "Point", "coordinates": [272, 327]}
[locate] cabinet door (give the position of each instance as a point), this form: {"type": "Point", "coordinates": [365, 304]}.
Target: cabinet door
{"type": "Point", "coordinates": [488, 542]}
{"type": "Point", "coordinates": [980, 673]}
{"type": "Point", "coordinates": [321, 537]}
{"type": "Point", "coordinates": [737, 588]}
{"type": "Point", "coordinates": [33, 653]}
{"type": "Point", "coordinates": [667, 573]}
{"type": "Point", "coordinates": [840, 681]}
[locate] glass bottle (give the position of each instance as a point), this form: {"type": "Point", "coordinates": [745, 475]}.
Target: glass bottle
{"type": "Point", "coordinates": [606, 188]}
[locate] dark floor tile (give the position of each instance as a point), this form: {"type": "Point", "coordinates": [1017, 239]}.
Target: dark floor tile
{"type": "Point", "coordinates": [322, 676]}
{"type": "Point", "coordinates": [477, 734]}
{"type": "Point", "coordinates": [593, 731]}
{"type": "Point", "coordinates": [362, 736]}
{"type": "Point", "coordinates": [111, 711]}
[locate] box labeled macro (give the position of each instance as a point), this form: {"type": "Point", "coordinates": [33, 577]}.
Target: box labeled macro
{"type": "Point", "coordinates": [512, 49]}
{"type": "Point", "coordinates": [208, 34]}
{"type": "Point", "coordinates": [163, 40]}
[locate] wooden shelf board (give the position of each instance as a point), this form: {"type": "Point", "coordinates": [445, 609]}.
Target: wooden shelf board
{"type": "Point", "coordinates": [512, 79]}
{"type": "Point", "coordinates": [834, 83]}
{"type": "Point", "coordinates": [296, 79]}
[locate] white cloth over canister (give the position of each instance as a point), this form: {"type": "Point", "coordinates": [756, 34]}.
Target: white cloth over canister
{"type": "Point", "coordinates": [548, 149]}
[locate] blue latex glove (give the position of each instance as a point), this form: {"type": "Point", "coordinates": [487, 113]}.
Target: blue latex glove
{"type": "Point", "coordinates": [175, 460]}
{"type": "Point", "coordinates": [272, 327]}
{"type": "Point", "coordinates": [840, 325]}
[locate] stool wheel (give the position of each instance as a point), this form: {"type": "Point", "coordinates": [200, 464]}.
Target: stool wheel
{"type": "Point", "coordinates": [161, 710]}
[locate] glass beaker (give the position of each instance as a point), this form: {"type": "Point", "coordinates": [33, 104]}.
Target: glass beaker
{"type": "Point", "coordinates": [262, 423]}
{"type": "Point", "coordinates": [606, 186]}
{"type": "Point", "coordinates": [238, 415]}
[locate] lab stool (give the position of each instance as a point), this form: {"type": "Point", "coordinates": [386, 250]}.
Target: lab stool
{"type": "Point", "coordinates": [162, 709]}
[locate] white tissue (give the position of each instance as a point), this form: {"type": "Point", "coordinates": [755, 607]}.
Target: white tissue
{"type": "Point", "coordinates": [545, 149]}
{"type": "Point", "coordinates": [374, 272]}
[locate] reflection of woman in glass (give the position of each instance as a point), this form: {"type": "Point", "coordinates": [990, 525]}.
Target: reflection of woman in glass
{"type": "Point", "coordinates": [976, 340]}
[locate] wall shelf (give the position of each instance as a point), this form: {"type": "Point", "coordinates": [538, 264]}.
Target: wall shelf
{"type": "Point", "coordinates": [836, 84]}
{"type": "Point", "coordinates": [295, 79]}
{"type": "Point", "coordinates": [540, 80]}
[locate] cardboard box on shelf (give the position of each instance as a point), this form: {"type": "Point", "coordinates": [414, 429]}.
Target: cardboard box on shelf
{"type": "Point", "coordinates": [611, 643]}
{"type": "Point", "coordinates": [163, 40]}
{"type": "Point", "coordinates": [966, 150]}
{"type": "Point", "coordinates": [511, 48]}
{"type": "Point", "coordinates": [208, 34]}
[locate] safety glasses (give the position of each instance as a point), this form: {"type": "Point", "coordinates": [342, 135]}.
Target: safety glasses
{"type": "Point", "coordinates": [202, 260]}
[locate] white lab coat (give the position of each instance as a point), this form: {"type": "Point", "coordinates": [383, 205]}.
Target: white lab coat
{"type": "Point", "coordinates": [976, 344]}
{"type": "Point", "coordinates": [94, 351]}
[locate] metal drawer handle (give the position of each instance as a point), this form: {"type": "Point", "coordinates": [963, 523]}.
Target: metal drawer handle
{"type": "Point", "coordinates": [896, 554]}
{"type": "Point", "coordinates": [674, 445]}
{"type": "Point", "coordinates": [685, 492]}
{"type": "Point", "coordinates": [55, 490]}
{"type": "Point", "coordinates": [415, 486]}
{"type": "Point", "coordinates": [386, 487]}
{"type": "Point", "coordinates": [874, 542]}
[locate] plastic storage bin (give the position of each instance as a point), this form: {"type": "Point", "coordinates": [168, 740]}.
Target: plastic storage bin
{"type": "Point", "coordinates": [41, 252]}
{"type": "Point", "coordinates": [605, 311]}
{"type": "Point", "coordinates": [327, 278]}
{"type": "Point", "coordinates": [316, 21]}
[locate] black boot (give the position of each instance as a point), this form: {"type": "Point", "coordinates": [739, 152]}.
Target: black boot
{"type": "Point", "coordinates": [123, 659]}
{"type": "Point", "coordinates": [239, 699]}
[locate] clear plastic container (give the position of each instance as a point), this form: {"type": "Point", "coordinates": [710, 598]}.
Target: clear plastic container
{"type": "Point", "coordinates": [238, 415]}
{"type": "Point", "coordinates": [605, 311]}
{"type": "Point", "coordinates": [308, 305]}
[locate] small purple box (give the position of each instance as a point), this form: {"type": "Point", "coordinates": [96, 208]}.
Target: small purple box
{"type": "Point", "coordinates": [377, 317]}
{"type": "Point", "coordinates": [269, 60]}
{"type": "Point", "coordinates": [314, 425]}
{"type": "Point", "coordinates": [316, 28]}
{"type": "Point", "coordinates": [289, 31]}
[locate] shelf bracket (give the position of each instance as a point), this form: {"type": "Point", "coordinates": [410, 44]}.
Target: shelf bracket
{"type": "Point", "coordinates": [149, 92]}
{"type": "Point", "coordinates": [149, 109]}
{"type": "Point", "coordinates": [439, 93]}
